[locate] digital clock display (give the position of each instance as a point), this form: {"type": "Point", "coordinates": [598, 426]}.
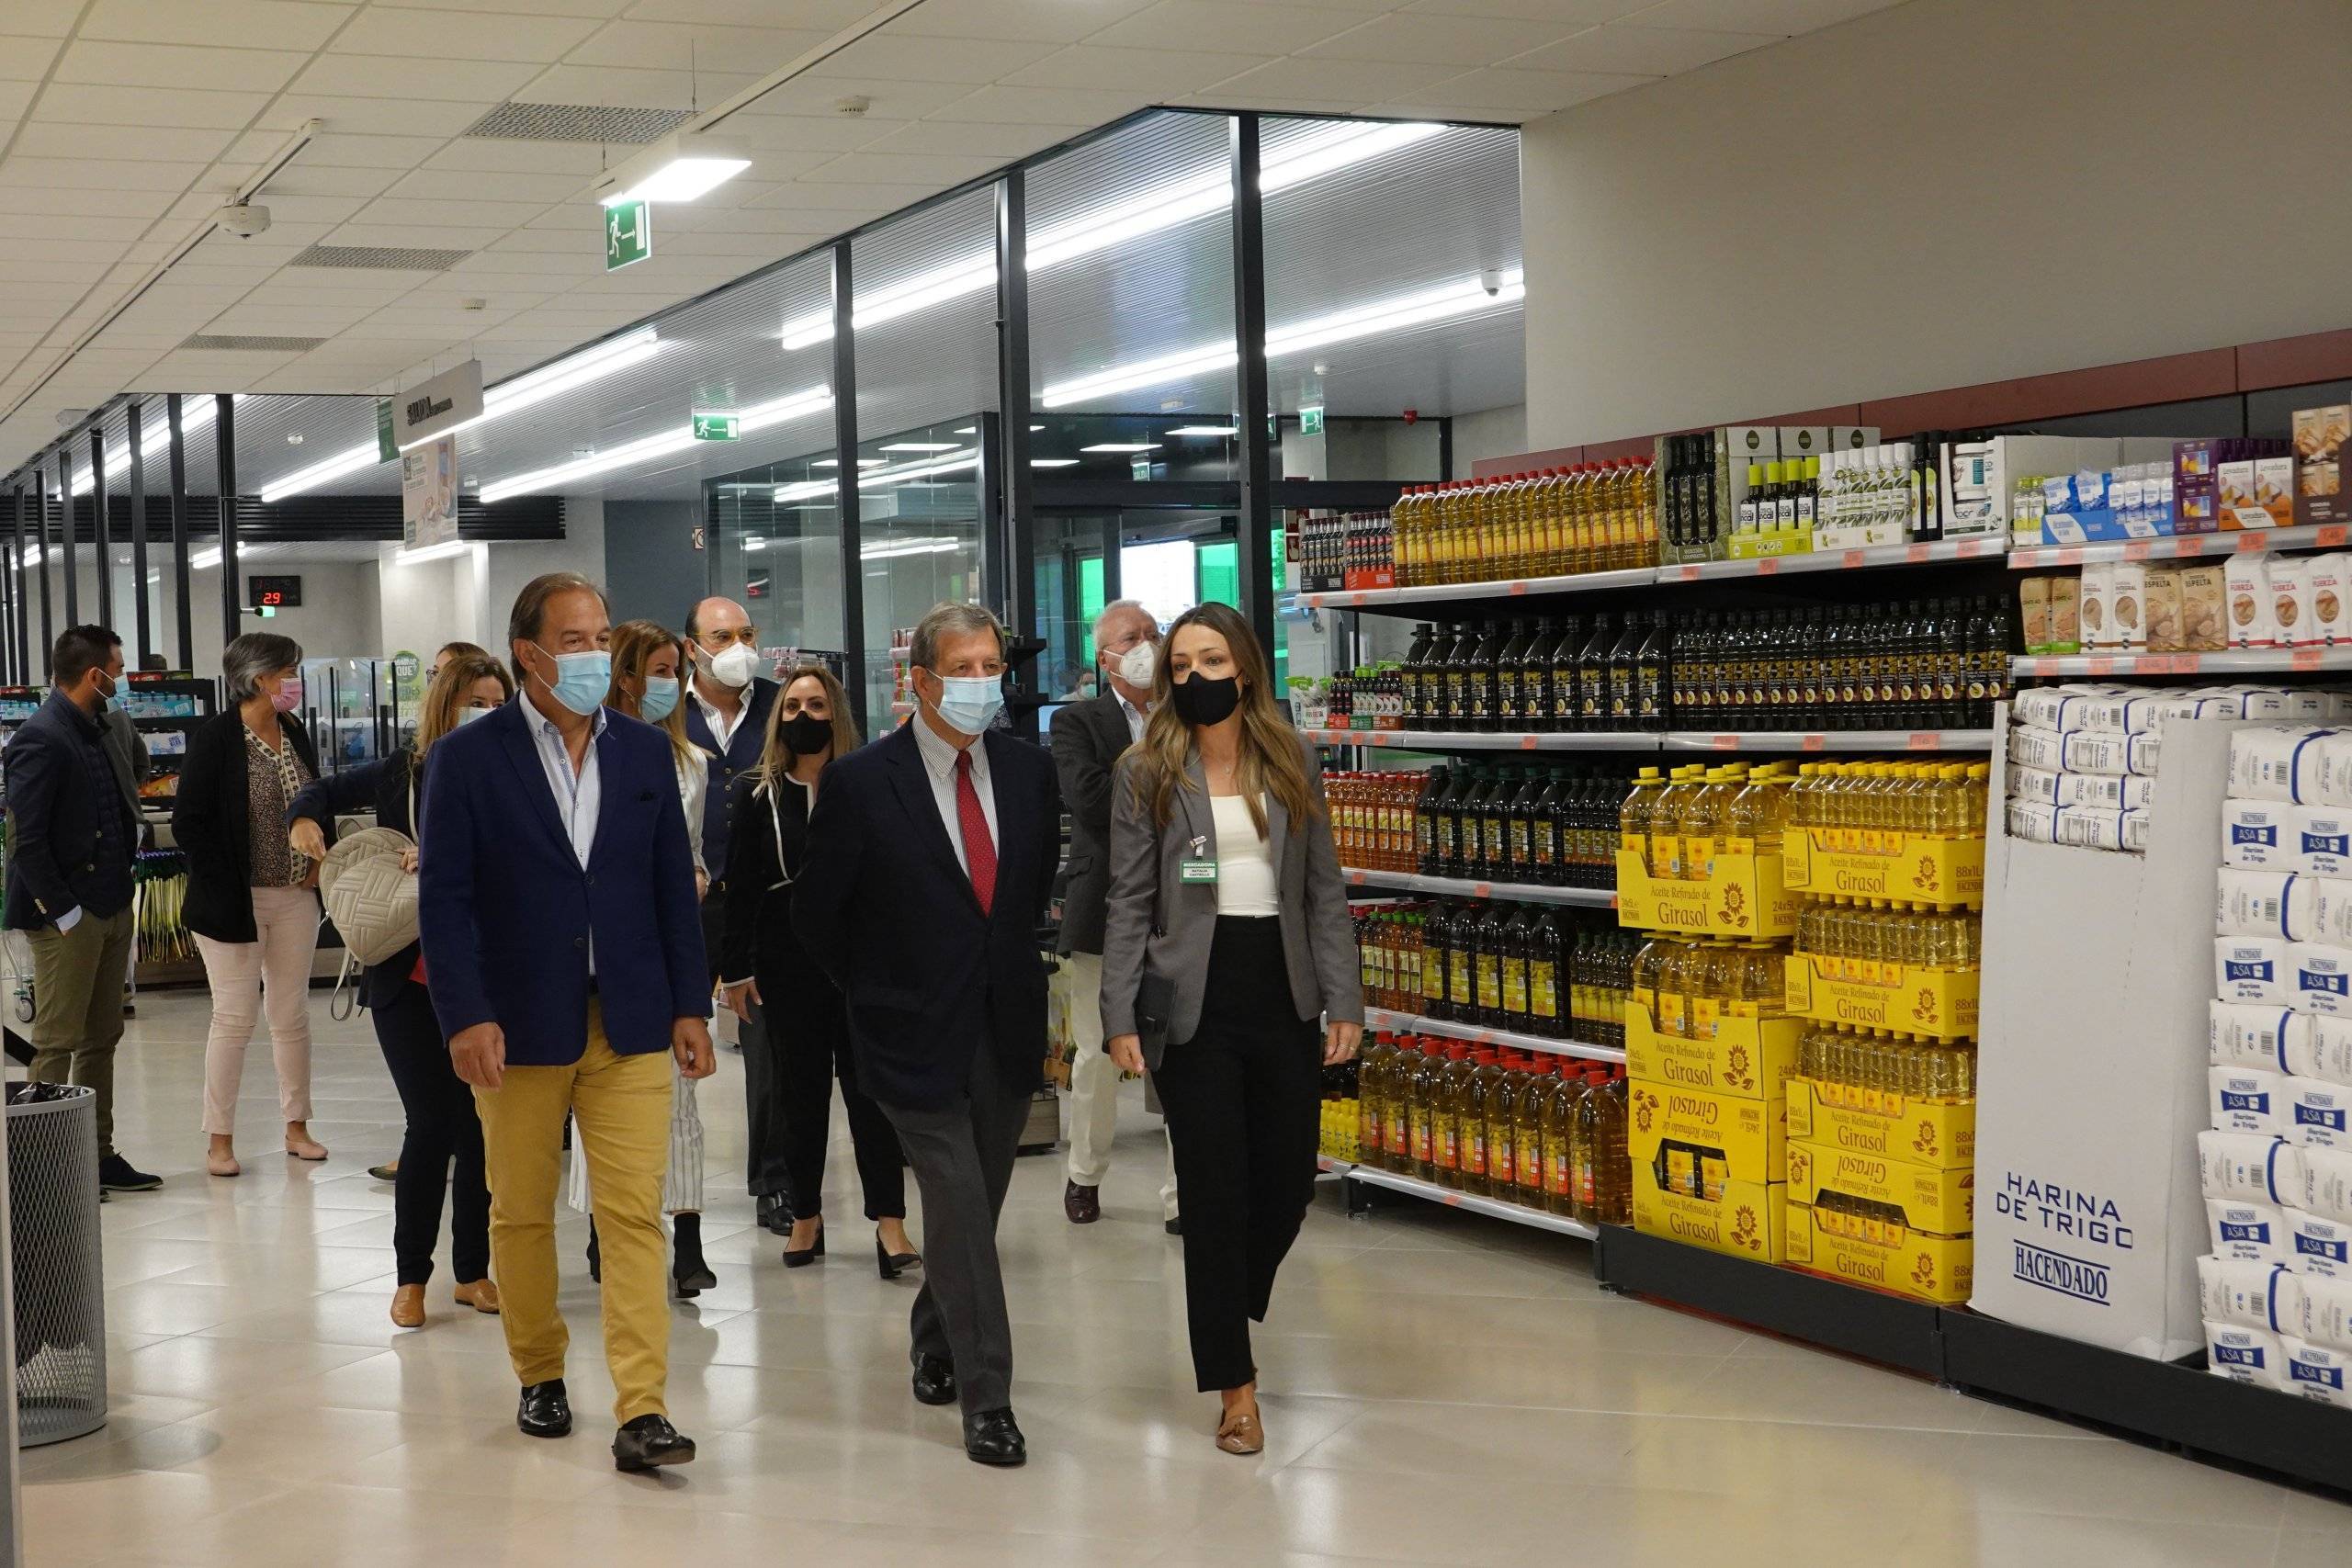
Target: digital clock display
{"type": "Point", "coordinates": [275, 592]}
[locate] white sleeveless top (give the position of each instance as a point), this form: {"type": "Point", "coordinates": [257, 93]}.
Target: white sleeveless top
{"type": "Point", "coordinates": [1245, 870]}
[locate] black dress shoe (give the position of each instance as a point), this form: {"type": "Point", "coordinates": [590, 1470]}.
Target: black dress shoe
{"type": "Point", "coordinates": [806, 1254]}
{"type": "Point", "coordinates": [689, 1275]}
{"type": "Point", "coordinates": [1175, 1225]}
{"type": "Point", "coordinates": [891, 1263]}
{"type": "Point", "coordinates": [649, 1443]}
{"type": "Point", "coordinates": [776, 1215]}
{"type": "Point", "coordinates": [991, 1438]}
{"type": "Point", "coordinates": [934, 1380]}
{"type": "Point", "coordinates": [1081, 1205]}
{"type": "Point", "coordinates": [116, 1174]}
{"type": "Point", "coordinates": [545, 1411]}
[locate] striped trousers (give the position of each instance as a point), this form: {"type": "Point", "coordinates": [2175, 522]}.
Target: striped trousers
{"type": "Point", "coordinates": [682, 1180]}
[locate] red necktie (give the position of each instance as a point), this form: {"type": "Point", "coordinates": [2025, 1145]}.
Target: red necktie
{"type": "Point", "coordinates": [979, 850]}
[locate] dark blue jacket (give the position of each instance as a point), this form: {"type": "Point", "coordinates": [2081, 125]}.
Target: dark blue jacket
{"type": "Point", "coordinates": [71, 836]}
{"type": "Point", "coordinates": [885, 910]}
{"type": "Point", "coordinates": [740, 756]}
{"type": "Point", "coordinates": [507, 912]}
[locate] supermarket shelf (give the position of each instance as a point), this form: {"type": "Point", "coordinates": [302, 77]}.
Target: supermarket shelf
{"type": "Point", "coordinates": [1975, 547]}
{"type": "Point", "coordinates": [1834, 740]}
{"type": "Point", "coordinates": [1457, 593]}
{"type": "Point", "coordinates": [1494, 1207]}
{"type": "Point", "coordinates": [1890, 1330]}
{"type": "Point", "coordinates": [1414, 1023]}
{"type": "Point", "coordinates": [1461, 887]}
{"type": "Point", "coordinates": [1475, 741]}
{"type": "Point", "coordinates": [2236, 662]}
{"type": "Point", "coordinates": [2245, 541]}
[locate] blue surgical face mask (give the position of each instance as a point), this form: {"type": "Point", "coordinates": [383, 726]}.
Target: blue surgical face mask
{"type": "Point", "coordinates": [661, 697]}
{"type": "Point", "coordinates": [968, 703]}
{"type": "Point", "coordinates": [114, 693]}
{"type": "Point", "coordinates": [466, 715]}
{"type": "Point", "coordinates": [580, 679]}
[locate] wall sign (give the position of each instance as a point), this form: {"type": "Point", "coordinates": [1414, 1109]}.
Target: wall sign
{"type": "Point", "coordinates": [718, 426]}
{"type": "Point", "coordinates": [629, 233]}
{"type": "Point", "coordinates": [448, 400]}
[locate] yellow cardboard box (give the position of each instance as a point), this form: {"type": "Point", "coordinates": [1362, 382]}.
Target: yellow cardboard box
{"type": "Point", "coordinates": [1748, 1221]}
{"type": "Point", "coordinates": [1751, 1057]}
{"type": "Point", "coordinates": [1864, 994]}
{"type": "Point", "coordinates": [1943, 1201]}
{"type": "Point", "coordinates": [1920, 1265]}
{"type": "Point", "coordinates": [1748, 1136]}
{"type": "Point", "coordinates": [1939, 1134]}
{"type": "Point", "coordinates": [1902, 868]}
{"type": "Point", "coordinates": [1746, 896]}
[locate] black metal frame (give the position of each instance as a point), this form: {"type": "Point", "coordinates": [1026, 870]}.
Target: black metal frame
{"type": "Point", "coordinates": [48, 555]}
{"type": "Point", "coordinates": [102, 529]}
{"type": "Point", "coordinates": [66, 531]}
{"type": "Point", "coordinates": [1254, 568]}
{"type": "Point", "coordinates": [224, 431]}
{"type": "Point", "coordinates": [845, 492]}
{"type": "Point", "coordinates": [176, 438]}
{"type": "Point", "coordinates": [141, 607]}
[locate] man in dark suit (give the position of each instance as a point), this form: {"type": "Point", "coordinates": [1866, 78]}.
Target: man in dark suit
{"type": "Point", "coordinates": [729, 719]}
{"type": "Point", "coordinates": [563, 954]}
{"type": "Point", "coordinates": [931, 861]}
{"type": "Point", "coordinates": [72, 834]}
{"type": "Point", "coordinates": [1087, 740]}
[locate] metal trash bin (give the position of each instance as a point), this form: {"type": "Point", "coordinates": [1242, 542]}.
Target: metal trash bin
{"type": "Point", "coordinates": [57, 1273]}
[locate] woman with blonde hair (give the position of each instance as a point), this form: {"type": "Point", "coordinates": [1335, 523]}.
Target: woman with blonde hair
{"type": "Point", "coordinates": [762, 961]}
{"type": "Point", "coordinates": [439, 1109]}
{"type": "Point", "coordinates": [648, 661]}
{"type": "Point", "coordinates": [1229, 974]}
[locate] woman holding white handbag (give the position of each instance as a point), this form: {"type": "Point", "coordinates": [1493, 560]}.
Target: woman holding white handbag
{"type": "Point", "coordinates": [439, 1107]}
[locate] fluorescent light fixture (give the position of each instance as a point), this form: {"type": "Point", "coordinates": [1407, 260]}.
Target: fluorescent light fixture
{"type": "Point", "coordinates": [1036, 428]}
{"type": "Point", "coordinates": [204, 560]}
{"type": "Point", "coordinates": [31, 556]}
{"type": "Point", "coordinates": [1469, 297]}
{"type": "Point", "coordinates": [681, 166]}
{"type": "Point", "coordinates": [1204, 430]}
{"type": "Point", "coordinates": [932, 545]}
{"type": "Point", "coordinates": [919, 446]}
{"type": "Point", "coordinates": [1053, 462]}
{"type": "Point", "coordinates": [1202, 194]}
{"type": "Point", "coordinates": [317, 474]}
{"type": "Point", "coordinates": [1122, 447]}
{"type": "Point", "coordinates": [652, 448]}
{"type": "Point", "coordinates": [862, 462]}
{"type": "Point", "coordinates": [434, 552]}
{"type": "Point", "coordinates": [968, 430]}
{"type": "Point", "coordinates": [895, 474]}
{"type": "Point", "coordinates": [593, 363]}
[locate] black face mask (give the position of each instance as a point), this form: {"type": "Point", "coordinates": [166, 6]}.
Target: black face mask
{"type": "Point", "coordinates": [1200, 700]}
{"type": "Point", "coordinates": [806, 734]}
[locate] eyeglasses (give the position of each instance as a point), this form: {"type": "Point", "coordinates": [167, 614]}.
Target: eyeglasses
{"type": "Point", "coordinates": [719, 640]}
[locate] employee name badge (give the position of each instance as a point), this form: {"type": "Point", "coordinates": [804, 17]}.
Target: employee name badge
{"type": "Point", "coordinates": [1198, 866]}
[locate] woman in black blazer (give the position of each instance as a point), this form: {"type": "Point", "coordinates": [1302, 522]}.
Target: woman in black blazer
{"type": "Point", "coordinates": [808, 726]}
{"type": "Point", "coordinates": [436, 1104]}
{"type": "Point", "coordinates": [252, 900]}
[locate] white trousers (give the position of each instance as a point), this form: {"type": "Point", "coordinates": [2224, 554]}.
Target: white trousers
{"type": "Point", "coordinates": [1094, 1086]}
{"type": "Point", "coordinates": [270, 974]}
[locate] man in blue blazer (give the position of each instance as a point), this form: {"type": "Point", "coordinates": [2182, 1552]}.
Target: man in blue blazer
{"type": "Point", "coordinates": [563, 953]}
{"type": "Point", "coordinates": [932, 861]}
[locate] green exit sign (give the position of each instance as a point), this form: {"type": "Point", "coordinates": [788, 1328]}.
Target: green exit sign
{"type": "Point", "coordinates": [718, 426]}
{"type": "Point", "coordinates": [629, 233]}
{"type": "Point", "coordinates": [1310, 420]}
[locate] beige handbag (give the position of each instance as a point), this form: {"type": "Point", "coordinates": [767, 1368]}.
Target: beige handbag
{"type": "Point", "coordinates": [371, 901]}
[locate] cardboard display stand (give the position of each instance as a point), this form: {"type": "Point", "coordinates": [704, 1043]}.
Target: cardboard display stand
{"type": "Point", "coordinates": [2091, 1079]}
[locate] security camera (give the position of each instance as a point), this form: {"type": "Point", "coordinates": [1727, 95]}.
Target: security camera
{"type": "Point", "coordinates": [243, 220]}
{"type": "Point", "coordinates": [1490, 280]}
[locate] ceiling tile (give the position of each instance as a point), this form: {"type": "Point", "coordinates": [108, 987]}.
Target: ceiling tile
{"type": "Point", "coordinates": [454, 237]}
{"type": "Point", "coordinates": [1065, 22]}
{"type": "Point", "coordinates": [124, 143]}
{"type": "Point", "coordinates": [480, 35]}
{"type": "Point", "coordinates": [1459, 41]}
{"type": "Point", "coordinates": [88, 104]}
{"type": "Point", "coordinates": [25, 59]}
{"type": "Point", "coordinates": [1351, 81]}
{"type": "Point", "coordinates": [528, 190]}
{"type": "Point", "coordinates": [936, 170]}
{"type": "Point", "coordinates": [384, 117]}
{"type": "Point", "coordinates": [170, 65]}
{"type": "Point", "coordinates": [841, 196]}
{"type": "Point", "coordinates": [1787, 17]}
{"type": "Point", "coordinates": [1569, 14]}
{"type": "Point", "coordinates": [832, 15]}
{"type": "Point", "coordinates": [576, 160]}
{"type": "Point", "coordinates": [817, 92]}
{"type": "Point", "coordinates": [1003, 142]}
{"type": "Point", "coordinates": [890, 57]}
{"type": "Point", "coordinates": [1641, 51]}
{"type": "Point", "coordinates": [621, 88]}
{"type": "Point", "coordinates": [403, 77]}
{"type": "Point", "coordinates": [599, 9]}
{"type": "Point", "coordinates": [674, 46]}
{"type": "Point", "coordinates": [303, 177]}
{"type": "Point", "coordinates": [1080, 108]}
{"type": "Point", "coordinates": [48, 202]}
{"type": "Point", "coordinates": [42, 18]}
{"type": "Point", "coordinates": [495, 217]}
{"type": "Point", "coordinates": [288, 25]}
{"type": "Point", "coordinates": [1160, 73]}
{"type": "Point", "coordinates": [808, 133]}
{"type": "Point", "coordinates": [1264, 27]}
{"type": "Point", "coordinates": [99, 173]}
{"type": "Point", "coordinates": [1540, 92]}
{"type": "Point", "coordinates": [339, 149]}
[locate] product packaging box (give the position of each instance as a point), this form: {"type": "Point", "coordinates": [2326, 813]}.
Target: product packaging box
{"type": "Point", "coordinates": [1747, 1057]}
{"type": "Point", "coordinates": [1977, 480]}
{"type": "Point", "coordinates": [2127, 606]}
{"type": "Point", "coordinates": [2066, 615]}
{"type": "Point", "coordinates": [1865, 994]}
{"type": "Point", "coordinates": [1938, 1134]}
{"type": "Point", "coordinates": [2163, 610]}
{"type": "Point", "coordinates": [2196, 501]}
{"type": "Point", "coordinates": [2033, 613]}
{"type": "Point", "coordinates": [1744, 1139]}
{"type": "Point", "coordinates": [2292, 619]}
{"type": "Point", "coordinates": [2097, 582]}
{"type": "Point", "coordinates": [1939, 1200]}
{"type": "Point", "coordinates": [2323, 451]}
{"type": "Point", "coordinates": [2331, 576]}
{"type": "Point", "coordinates": [2245, 582]}
{"type": "Point", "coordinates": [1917, 869]}
{"type": "Point", "coordinates": [2203, 595]}
{"type": "Point", "coordinates": [1918, 1263]}
{"type": "Point", "coordinates": [1746, 896]}
{"type": "Point", "coordinates": [1748, 1219]}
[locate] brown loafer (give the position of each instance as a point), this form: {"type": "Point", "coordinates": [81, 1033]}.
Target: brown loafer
{"type": "Point", "coordinates": [1082, 1204]}
{"type": "Point", "coordinates": [1241, 1434]}
{"type": "Point", "coordinates": [408, 1307]}
{"type": "Point", "coordinates": [482, 1295]}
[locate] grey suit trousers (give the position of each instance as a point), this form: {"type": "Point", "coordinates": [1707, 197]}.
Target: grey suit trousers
{"type": "Point", "coordinates": [963, 1157]}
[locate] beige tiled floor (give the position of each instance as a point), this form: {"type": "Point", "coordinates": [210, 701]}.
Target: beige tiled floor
{"type": "Point", "coordinates": [1442, 1388]}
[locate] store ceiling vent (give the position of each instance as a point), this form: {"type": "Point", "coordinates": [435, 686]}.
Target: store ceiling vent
{"type": "Point", "coordinates": [576, 122]}
{"type": "Point", "coordinates": [243, 343]}
{"type": "Point", "coordinates": [401, 258]}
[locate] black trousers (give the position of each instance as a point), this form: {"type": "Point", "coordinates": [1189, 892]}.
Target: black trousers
{"type": "Point", "coordinates": [1243, 1097]}
{"type": "Point", "coordinates": [813, 1051]}
{"type": "Point", "coordinates": [442, 1127]}
{"type": "Point", "coordinates": [765, 1173]}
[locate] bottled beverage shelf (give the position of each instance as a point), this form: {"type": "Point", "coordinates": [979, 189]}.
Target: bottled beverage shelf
{"type": "Point", "coordinates": [1481, 740]}
{"type": "Point", "coordinates": [2240, 541]}
{"type": "Point", "coordinates": [1477, 1035]}
{"type": "Point", "coordinates": [1463, 887]}
{"type": "Point", "coordinates": [2235, 661]}
{"type": "Point", "coordinates": [1496, 1207]}
{"type": "Point", "coordinates": [1453, 593]}
{"type": "Point", "coordinates": [1833, 740]}
{"type": "Point", "coordinates": [1911, 554]}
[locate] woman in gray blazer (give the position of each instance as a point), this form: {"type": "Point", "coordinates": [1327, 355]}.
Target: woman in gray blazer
{"type": "Point", "coordinates": [1226, 946]}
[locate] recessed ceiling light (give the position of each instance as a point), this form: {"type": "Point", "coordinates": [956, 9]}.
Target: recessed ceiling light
{"type": "Point", "coordinates": [862, 462]}
{"type": "Point", "coordinates": [293, 438]}
{"type": "Point", "coordinates": [1204, 430]}
{"type": "Point", "coordinates": [919, 446]}
{"type": "Point", "coordinates": [1053, 462]}
{"type": "Point", "coordinates": [1122, 446]}
{"type": "Point", "coordinates": [968, 430]}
